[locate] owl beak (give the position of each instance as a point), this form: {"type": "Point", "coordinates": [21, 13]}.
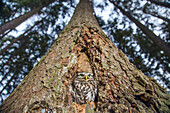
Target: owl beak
{"type": "Point", "coordinates": [86, 77]}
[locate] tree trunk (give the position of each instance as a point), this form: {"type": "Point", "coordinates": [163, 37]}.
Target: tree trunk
{"type": "Point", "coordinates": [82, 46]}
{"type": "Point", "coordinates": [164, 4]}
{"type": "Point", "coordinates": [17, 21]}
{"type": "Point", "coordinates": [156, 15]}
{"type": "Point", "coordinates": [157, 40]}
{"type": "Point", "coordinates": [19, 37]}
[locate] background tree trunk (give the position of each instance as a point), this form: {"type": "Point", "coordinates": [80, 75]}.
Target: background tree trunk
{"type": "Point", "coordinates": [121, 87]}
{"type": "Point", "coordinates": [157, 40]}
{"type": "Point", "coordinates": [17, 21]}
{"type": "Point", "coordinates": [164, 4]}
{"type": "Point", "coordinates": [19, 37]}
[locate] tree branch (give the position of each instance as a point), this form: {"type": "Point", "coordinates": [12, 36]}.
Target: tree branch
{"type": "Point", "coordinates": [164, 4]}
{"type": "Point", "coordinates": [157, 40]}
{"type": "Point", "coordinates": [16, 39]}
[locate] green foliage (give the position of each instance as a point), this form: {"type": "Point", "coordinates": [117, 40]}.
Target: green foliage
{"type": "Point", "coordinates": [10, 9]}
{"type": "Point", "coordinates": [26, 4]}
{"type": "Point", "coordinates": [5, 12]}
{"type": "Point", "coordinates": [141, 51]}
{"type": "Point", "coordinates": [20, 58]}
{"type": "Point", "coordinates": [29, 3]}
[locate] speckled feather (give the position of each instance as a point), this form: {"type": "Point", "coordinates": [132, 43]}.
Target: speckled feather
{"type": "Point", "coordinates": [84, 90]}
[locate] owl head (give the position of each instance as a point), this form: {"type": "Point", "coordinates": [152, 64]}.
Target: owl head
{"type": "Point", "coordinates": [84, 76]}
{"type": "Point", "coordinates": [84, 88]}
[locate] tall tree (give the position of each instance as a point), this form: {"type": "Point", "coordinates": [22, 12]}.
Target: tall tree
{"type": "Point", "coordinates": [165, 4]}
{"type": "Point", "coordinates": [17, 21]}
{"type": "Point", "coordinates": [16, 39]}
{"type": "Point", "coordinates": [31, 46]}
{"type": "Point", "coordinates": [83, 53]}
{"type": "Point", "coordinates": [135, 43]}
{"type": "Point", "coordinates": [157, 40]}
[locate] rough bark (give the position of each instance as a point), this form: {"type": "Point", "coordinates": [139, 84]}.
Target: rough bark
{"type": "Point", "coordinates": [156, 39]}
{"type": "Point", "coordinates": [17, 21]}
{"type": "Point", "coordinates": [121, 87]}
{"type": "Point", "coordinates": [164, 4]}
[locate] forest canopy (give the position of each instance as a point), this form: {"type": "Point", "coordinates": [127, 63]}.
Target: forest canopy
{"type": "Point", "coordinates": [140, 28]}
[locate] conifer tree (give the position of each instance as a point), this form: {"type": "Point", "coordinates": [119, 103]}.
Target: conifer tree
{"type": "Point", "coordinates": [83, 47]}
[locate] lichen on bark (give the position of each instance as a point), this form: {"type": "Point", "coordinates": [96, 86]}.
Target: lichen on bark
{"type": "Point", "coordinates": [121, 87]}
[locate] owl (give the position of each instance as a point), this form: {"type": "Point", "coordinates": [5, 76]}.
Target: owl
{"type": "Point", "coordinates": [84, 88]}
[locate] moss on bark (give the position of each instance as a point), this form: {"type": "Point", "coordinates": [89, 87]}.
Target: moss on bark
{"type": "Point", "coordinates": [121, 87]}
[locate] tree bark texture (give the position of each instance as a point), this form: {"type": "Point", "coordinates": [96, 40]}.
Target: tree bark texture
{"type": "Point", "coordinates": [156, 39]}
{"type": "Point", "coordinates": [82, 46]}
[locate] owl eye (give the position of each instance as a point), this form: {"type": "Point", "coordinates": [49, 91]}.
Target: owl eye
{"type": "Point", "coordinates": [90, 76]}
{"type": "Point", "coordinates": [80, 75]}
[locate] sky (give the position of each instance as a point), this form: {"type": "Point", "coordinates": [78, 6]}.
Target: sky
{"type": "Point", "coordinates": [105, 14]}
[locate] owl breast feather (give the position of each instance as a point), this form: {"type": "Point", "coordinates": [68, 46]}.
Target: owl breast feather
{"type": "Point", "coordinates": [87, 91]}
